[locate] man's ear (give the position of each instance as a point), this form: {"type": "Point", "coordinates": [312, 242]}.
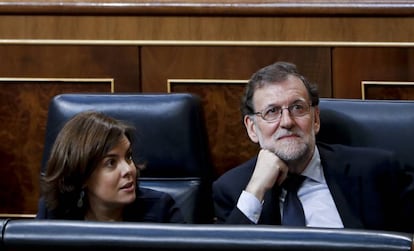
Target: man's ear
{"type": "Point", "coordinates": [251, 129]}
{"type": "Point", "coordinates": [317, 120]}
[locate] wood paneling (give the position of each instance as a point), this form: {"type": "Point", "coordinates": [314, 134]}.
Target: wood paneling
{"type": "Point", "coordinates": [170, 28]}
{"type": "Point", "coordinates": [387, 90]}
{"type": "Point", "coordinates": [351, 66]}
{"type": "Point", "coordinates": [209, 62]}
{"type": "Point", "coordinates": [23, 104]}
{"type": "Point", "coordinates": [141, 44]}
{"type": "Point", "coordinates": [23, 112]}
{"type": "Point", "coordinates": [229, 143]}
{"type": "Point", "coordinates": [209, 7]}
{"type": "Point", "coordinates": [73, 61]}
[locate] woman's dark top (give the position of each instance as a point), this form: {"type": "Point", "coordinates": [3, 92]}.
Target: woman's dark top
{"type": "Point", "coordinates": [149, 206]}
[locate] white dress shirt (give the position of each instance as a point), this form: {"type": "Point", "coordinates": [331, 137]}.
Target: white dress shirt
{"type": "Point", "coordinates": [318, 205]}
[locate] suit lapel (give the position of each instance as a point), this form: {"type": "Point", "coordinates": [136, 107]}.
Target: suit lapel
{"type": "Point", "coordinates": [344, 187]}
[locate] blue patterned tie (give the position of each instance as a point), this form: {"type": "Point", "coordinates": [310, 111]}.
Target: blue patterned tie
{"type": "Point", "coordinates": [292, 207]}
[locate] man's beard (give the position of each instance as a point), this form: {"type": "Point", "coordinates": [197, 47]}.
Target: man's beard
{"type": "Point", "coordinates": [290, 150]}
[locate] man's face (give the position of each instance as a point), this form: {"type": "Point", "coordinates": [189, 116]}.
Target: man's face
{"type": "Point", "coordinates": [291, 138]}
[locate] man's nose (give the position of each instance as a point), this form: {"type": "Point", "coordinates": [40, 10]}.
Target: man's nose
{"type": "Point", "coordinates": [285, 117]}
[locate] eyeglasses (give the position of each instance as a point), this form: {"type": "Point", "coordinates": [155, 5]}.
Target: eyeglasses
{"type": "Point", "coordinates": [273, 114]}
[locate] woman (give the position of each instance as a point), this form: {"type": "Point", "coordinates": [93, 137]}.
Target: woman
{"type": "Point", "coordinates": [91, 176]}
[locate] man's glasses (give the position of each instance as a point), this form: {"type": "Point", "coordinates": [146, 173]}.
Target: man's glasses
{"type": "Point", "coordinates": [273, 114]}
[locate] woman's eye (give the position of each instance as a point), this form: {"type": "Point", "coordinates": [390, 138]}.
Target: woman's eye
{"type": "Point", "coordinates": [110, 163]}
{"type": "Point", "coordinates": [129, 158]}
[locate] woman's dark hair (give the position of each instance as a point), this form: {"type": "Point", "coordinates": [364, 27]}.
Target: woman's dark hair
{"type": "Point", "coordinates": [79, 147]}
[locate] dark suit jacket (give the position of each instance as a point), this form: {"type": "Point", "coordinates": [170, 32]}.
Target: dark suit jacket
{"type": "Point", "coordinates": [149, 206]}
{"type": "Point", "coordinates": [369, 187]}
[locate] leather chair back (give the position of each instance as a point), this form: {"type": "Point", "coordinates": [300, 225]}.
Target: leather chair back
{"type": "Point", "coordinates": [170, 137]}
{"type": "Point", "coordinates": [3, 223]}
{"type": "Point", "coordinates": [386, 124]}
{"type": "Point", "coordinates": [83, 235]}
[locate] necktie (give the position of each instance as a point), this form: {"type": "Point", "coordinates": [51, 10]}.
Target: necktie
{"type": "Point", "coordinates": [292, 208]}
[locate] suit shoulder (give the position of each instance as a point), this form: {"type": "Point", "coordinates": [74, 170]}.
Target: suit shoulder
{"type": "Point", "coordinates": [355, 150]}
{"type": "Point", "coordinates": [242, 172]}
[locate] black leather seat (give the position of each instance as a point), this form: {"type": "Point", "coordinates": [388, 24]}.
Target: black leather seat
{"type": "Point", "coordinates": [170, 136]}
{"type": "Point", "coordinates": [383, 124]}
{"type": "Point", "coordinates": [3, 223]}
{"type": "Point", "coordinates": [82, 235]}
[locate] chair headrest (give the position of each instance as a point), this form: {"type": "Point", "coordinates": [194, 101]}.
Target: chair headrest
{"type": "Point", "coordinates": [377, 123]}
{"type": "Point", "coordinates": [170, 135]}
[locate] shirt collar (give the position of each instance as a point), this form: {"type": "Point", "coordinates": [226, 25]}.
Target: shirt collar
{"type": "Point", "coordinates": [314, 169]}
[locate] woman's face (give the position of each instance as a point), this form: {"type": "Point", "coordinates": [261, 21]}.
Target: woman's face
{"type": "Point", "coordinates": [112, 184]}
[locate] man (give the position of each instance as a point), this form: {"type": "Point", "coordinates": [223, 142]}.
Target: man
{"type": "Point", "coordinates": [343, 187]}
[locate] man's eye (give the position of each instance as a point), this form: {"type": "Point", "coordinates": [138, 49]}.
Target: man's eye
{"type": "Point", "coordinates": [297, 107]}
{"type": "Point", "coordinates": [273, 110]}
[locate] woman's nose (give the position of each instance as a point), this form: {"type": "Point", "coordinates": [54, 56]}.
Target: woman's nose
{"type": "Point", "coordinates": [127, 168]}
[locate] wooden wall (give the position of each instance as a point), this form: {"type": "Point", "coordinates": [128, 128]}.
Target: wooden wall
{"type": "Point", "coordinates": [52, 47]}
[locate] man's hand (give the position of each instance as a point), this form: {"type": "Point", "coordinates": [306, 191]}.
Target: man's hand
{"type": "Point", "coordinates": [269, 170]}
